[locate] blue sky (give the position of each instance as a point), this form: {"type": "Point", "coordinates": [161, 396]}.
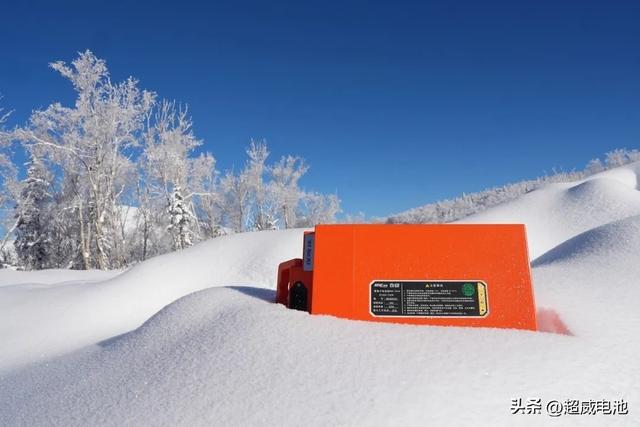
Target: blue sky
{"type": "Point", "coordinates": [394, 104]}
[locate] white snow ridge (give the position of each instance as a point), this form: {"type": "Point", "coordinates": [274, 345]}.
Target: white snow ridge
{"type": "Point", "coordinates": [95, 350]}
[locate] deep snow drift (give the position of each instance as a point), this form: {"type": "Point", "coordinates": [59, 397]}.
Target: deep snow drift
{"type": "Point", "coordinates": [228, 356]}
{"type": "Point", "coordinates": [38, 321]}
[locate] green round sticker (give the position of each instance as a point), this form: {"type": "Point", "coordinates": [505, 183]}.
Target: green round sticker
{"type": "Point", "coordinates": [468, 289]}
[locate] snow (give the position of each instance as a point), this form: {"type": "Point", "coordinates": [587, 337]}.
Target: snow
{"type": "Point", "coordinates": [559, 212]}
{"type": "Point", "coordinates": [57, 277]}
{"type": "Point", "coordinates": [593, 280]}
{"type": "Point", "coordinates": [38, 322]}
{"type": "Point", "coordinates": [141, 348]}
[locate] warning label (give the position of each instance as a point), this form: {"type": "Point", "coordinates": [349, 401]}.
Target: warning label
{"type": "Point", "coordinates": [431, 298]}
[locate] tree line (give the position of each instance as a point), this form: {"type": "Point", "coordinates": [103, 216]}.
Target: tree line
{"type": "Point", "coordinates": [115, 179]}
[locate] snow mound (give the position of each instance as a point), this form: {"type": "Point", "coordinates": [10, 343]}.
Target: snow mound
{"type": "Point", "coordinates": [559, 212]}
{"type": "Point", "coordinates": [231, 357]}
{"type": "Point", "coordinates": [108, 353]}
{"type": "Point", "coordinates": [38, 322]}
{"type": "Point", "coordinates": [618, 240]}
{"type": "Point", "coordinates": [592, 281]}
{"type": "Point", "coordinates": [628, 175]}
{"type": "Point", "coordinates": [53, 277]}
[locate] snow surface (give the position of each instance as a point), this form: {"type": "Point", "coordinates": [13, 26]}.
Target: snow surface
{"type": "Point", "coordinates": [558, 212]}
{"type": "Point", "coordinates": [75, 354]}
{"type": "Point", "coordinates": [38, 322]}
{"type": "Point", "coordinates": [57, 277]}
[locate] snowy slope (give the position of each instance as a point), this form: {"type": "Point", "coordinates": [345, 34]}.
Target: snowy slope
{"type": "Point", "coordinates": [593, 279]}
{"type": "Point", "coordinates": [228, 356]}
{"type": "Point", "coordinates": [225, 357]}
{"type": "Point", "coordinates": [38, 322]}
{"type": "Point", "coordinates": [53, 277]}
{"type": "Point", "coordinates": [561, 211]}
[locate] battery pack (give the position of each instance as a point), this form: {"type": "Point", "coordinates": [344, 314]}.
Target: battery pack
{"type": "Point", "coordinates": [432, 274]}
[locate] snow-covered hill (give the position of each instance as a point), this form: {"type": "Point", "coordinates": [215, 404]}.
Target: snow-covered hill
{"type": "Point", "coordinates": [75, 354]}
{"type": "Point", "coordinates": [561, 211]}
{"type": "Point", "coordinates": [39, 319]}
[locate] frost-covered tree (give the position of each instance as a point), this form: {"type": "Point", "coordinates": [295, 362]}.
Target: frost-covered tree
{"type": "Point", "coordinates": [620, 157]}
{"type": "Point", "coordinates": [594, 166]}
{"type": "Point", "coordinates": [244, 197]}
{"type": "Point", "coordinates": [205, 196]}
{"type": "Point", "coordinates": [145, 237]}
{"type": "Point", "coordinates": [268, 196]}
{"type": "Point", "coordinates": [169, 143]}
{"type": "Point", "coordinates": [262, 216]}
{"type": "Point", "coordinates": [616, 158]}
{"type": "Point", "coordinates": [33, 218]}
{"type": "Point", "coordinates": [167, 162]}
{"type": "Point", "coordinates": [9, 186]}
{"type": "Point", "coordinates": [7, 168]}
{"type": "Point", "coordinates": [90, 143]}
{"type": "Point", "coordinates": [235, 194]}
{"type": "Point", "coordinates": [358, 218]}
{"type": "Point", "coordinates": [318, 209]}
{"type": "Point", "coordinates": [284, 187]}
{"type": "Point", "coordinates": [126, 183]}
{"type": "Point", "coordinates": [181, 220]}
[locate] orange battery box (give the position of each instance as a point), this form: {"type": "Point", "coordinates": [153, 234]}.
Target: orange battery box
{"type": "Point", "coordinates": [433, 274]}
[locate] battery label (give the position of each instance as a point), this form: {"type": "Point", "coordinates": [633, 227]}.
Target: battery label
{"type": "Point", "coordinates": [309, 240]}
{"type": "Point", "coordinates": [430, 298]}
